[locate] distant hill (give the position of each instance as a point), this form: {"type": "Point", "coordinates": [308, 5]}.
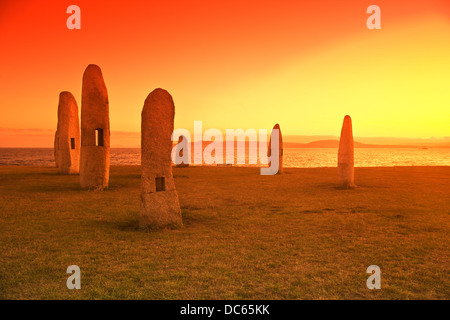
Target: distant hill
{"type": "Point", "coordinates": [335, 144]}
{"type": "Point", "coordinates": [332, 144]}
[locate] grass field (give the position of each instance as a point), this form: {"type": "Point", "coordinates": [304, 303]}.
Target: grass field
{"type": "Point", "coordinates": [245, 236]}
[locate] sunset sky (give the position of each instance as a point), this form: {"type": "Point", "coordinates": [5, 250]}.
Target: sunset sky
{"type": "Point", "coordinates": [232, 64]}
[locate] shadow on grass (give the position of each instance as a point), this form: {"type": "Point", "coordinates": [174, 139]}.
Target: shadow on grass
{"type": "Point", "coordinates": [191, 218]}
{"type": "Point", "coordinates": [129, 225]}
{"type": "Point", "coordinates": [335, 186]}
{"type": "Point", "coordinates": [52, 188]}
{"type": "Point", "coordinates": [132, 225]}
{"type": "Point", "coordinates": [54, 174]}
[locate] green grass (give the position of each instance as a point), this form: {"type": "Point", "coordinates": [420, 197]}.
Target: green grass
{"type": "Point", "coordinates": [245, 236]}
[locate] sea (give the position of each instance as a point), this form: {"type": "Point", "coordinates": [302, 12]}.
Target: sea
{"type": "Point", "coordinates": [293, 157]}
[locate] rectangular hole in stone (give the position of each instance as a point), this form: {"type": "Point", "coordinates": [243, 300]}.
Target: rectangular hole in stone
{"type": "Point", "coordinates": [160, 184]}
{"type": "Point", "coordinates": [72, 143]}
{"type": "Point", "coordinates": [99, 137]}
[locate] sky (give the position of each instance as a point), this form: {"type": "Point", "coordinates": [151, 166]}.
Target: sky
{"type": "Point", "coordinates": [231, 64]}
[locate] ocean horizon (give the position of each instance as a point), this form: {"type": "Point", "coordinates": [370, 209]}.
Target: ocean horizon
{"type": "Point", "coordinates": [293, 157]}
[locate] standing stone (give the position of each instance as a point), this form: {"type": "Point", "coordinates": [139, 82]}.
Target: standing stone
{"type": "Point", "coordinates": [68, 134]}
{"type": "Point", "coordinates": [181, 146]}
{"type": "Point", "coordinates": [55, 147]}
{"type": "Point", "coordinates": [280, 148]}
{"type": "Point", "coordinates": [95, 134]}
{"type": "Point", "coordinates": [346, 155]}
{"type": "Point", "coordinates": [160, 206]}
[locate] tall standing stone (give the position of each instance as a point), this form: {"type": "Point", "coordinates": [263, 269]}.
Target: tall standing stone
{"type": "Point", "coordinates": [160, 206]}
{"type": "Point", "coordinates": [280, 148]}
{"type": "Point", "coordinates": [95, 132]}
{"type": "Point", "coordinates": [68, 134]}
{"type": "Point", "coordinates": [181, 156]}
{"type": "Point", "coordinates": [346, 155]}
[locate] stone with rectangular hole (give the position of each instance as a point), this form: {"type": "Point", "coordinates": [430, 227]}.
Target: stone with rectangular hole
{"type": "Point", "coordinates": [160, 184]}
{"type": "Point", "coordinates": [160, 206]}
{"type": "Point", "coordinates": [95, 132]}
{"type": "Point", "coordinates": [67, 138]}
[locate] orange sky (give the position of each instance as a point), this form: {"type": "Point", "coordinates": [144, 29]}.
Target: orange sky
{"type": "Point", "coordinates": [231, 64]}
